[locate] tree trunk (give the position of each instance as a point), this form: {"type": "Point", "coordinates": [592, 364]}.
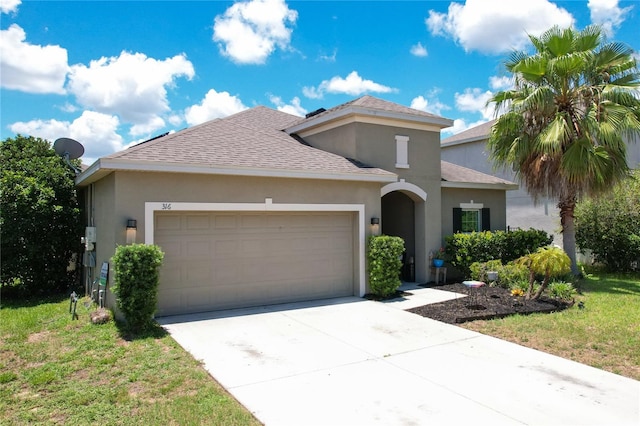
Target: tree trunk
{"type": "Point", "coordinates": [567, 207]}
{"type": "Point", "coordinates": [543, 286]}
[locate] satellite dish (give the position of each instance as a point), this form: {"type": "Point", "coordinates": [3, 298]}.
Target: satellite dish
{"type": "Point", "coordinates": [68, 148]}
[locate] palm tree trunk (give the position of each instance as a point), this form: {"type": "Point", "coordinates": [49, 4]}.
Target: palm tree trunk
{"type": "Point", "coordinates": [567, 207]}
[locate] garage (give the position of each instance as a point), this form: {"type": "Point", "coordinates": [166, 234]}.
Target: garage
{"type": "Point", "coordinates": [224, 259]}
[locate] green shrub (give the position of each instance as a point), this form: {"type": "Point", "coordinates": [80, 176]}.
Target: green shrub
{"type": "Point", "coordinates": [561, 290]}
{"type": "Point", "coordinates": [384, 254]}
{"type": "Point", "coordinates": [136, 279]}
{"type": "Point", "coordinates": [463, 249]}
{"type": "Point", "coordinates": [609, 226]}
{"type": "Point", "coordinates": [507, 274]}
{"type": "Point", "coordinates": [479, 269]}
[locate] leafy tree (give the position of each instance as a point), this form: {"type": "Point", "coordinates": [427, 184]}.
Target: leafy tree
{"type": "Point", "coordinates": [573, 102]}
{"type": "Point", "coordinates": [609, 225]}
{"type": "Point", "coordinates": [40, 217]}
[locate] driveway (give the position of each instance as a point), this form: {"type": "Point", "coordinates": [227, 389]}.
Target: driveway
{"type": "Point", "coordinates": [350, 361]}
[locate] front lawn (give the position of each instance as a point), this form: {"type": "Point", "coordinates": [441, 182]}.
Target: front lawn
{"type": "Point", "coordinates": [55, 370]}
{"type": "Point", "coordinates": [605, 334]}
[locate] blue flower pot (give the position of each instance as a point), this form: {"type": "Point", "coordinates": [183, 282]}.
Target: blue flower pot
{"type": "Point", "coordinates": [438, 263]}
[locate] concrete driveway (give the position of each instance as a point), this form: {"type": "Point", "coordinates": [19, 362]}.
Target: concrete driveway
{"type": "Point", "coordinates": [349, 361]}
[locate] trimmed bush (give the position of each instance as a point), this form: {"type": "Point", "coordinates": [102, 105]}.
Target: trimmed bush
{"type": "Point", "coordinates": [136, 279]}
{"type": "Point", "coordinates": [384, 255]}
{"type": "Point", "coordinates": [463, 249]}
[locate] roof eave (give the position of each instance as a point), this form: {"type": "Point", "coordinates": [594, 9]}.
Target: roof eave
{"type": "Point", "coordinates": [479, 185]}
{"type": "Point", "coordinates": [353, 110]}
{"type": "Point", "coordinates": [105, 166]}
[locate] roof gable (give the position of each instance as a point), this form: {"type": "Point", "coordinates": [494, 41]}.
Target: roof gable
{"type": "Point", "coordinates": [370, 108]}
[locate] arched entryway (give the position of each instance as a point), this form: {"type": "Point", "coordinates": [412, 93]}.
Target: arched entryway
{"type": "Point", "coordinates": [398, 219]}
{"type": "Point", "coordinates": [403, 206]}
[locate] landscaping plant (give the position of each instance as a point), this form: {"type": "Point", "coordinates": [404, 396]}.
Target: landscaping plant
{"type": "Point", "coordinates": [464, 249]}
{"type": "Point", "coordinates": [546, 261]}
{"type": "Point", "coordinates": [136, 281]}
{"type": "Point", "coordinates": [384, 255]}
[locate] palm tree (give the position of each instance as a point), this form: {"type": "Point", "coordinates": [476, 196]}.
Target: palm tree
{"type": "Point", "coordinates": [573, 103]}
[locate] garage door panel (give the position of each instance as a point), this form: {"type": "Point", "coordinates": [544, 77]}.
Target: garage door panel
{"type": "Point", "coordinates": [222, 260]}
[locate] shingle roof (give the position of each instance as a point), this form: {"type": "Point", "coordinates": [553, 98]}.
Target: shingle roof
{"type": "Point", "coordinates": [473, 134]}
{"type": "Point", "coordinates": [251, 139]}
{"type": "Point", "coordinates": [453, 173]}
{"type": "Point", "coordinates": [376, 105]}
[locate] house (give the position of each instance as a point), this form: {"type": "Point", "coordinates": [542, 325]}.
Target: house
{"type": "Point", "coordinates": [263, 207]}
{"type": "Point", "coordinates": [468, 149]}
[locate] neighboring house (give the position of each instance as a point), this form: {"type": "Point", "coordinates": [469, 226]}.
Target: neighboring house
{"type": "Point", "coordinates": [468, 149]}
{"type": "Point", "coordinates": [264, 207]}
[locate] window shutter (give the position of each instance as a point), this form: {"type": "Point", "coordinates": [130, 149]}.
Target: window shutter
{"type": "Point", "coordinates": [486, 219]}
{"type": "Point", "coordinates": [457, 219]}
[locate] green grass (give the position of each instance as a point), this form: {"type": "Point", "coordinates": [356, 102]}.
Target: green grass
{"type": "Point", "coordinates": [605, 334]}
{"type": "Point", "coordinates": [55, 370]}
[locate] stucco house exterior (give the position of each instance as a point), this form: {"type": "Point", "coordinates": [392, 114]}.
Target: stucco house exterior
{"type": "Point", "coordinates": [263, 207]}
{"type": "Point", "coordinates": [468, 149]}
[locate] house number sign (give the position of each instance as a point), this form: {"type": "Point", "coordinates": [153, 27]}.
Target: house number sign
{"type": "Point", "coordinates": [166, 206]}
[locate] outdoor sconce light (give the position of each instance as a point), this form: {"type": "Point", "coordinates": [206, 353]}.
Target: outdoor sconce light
{"type": "Point", "coordinates": [375, 225]}
{"type": "Point", "coordinates": [132, 227]}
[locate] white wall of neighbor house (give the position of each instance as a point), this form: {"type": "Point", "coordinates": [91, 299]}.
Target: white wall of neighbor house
{"type": "Point", "coordinates": [522, 211]}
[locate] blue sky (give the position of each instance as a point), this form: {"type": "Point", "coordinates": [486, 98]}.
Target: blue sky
{"type": "Point", "coordinates": [113, 73]}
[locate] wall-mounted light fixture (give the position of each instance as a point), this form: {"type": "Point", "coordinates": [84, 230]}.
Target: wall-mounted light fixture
{"type": "Point", "coordinates": [132, 228]}
{"type": "Point", "coordinates": [375, 225]}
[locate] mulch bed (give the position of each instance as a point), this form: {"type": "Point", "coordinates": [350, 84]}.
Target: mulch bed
{"type": "Point", "coordinates": [489, 303]}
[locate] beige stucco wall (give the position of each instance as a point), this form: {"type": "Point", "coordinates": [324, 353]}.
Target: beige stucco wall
{"type": "Point", "coordinates": [122, 195]}
{"type": "Point", "coordinates": [375, 145]}
{"type": "Point", "coordinates": [492, 199]}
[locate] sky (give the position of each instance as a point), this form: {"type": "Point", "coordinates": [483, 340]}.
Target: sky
{"type": "Point", "coordinates": [111, 74]}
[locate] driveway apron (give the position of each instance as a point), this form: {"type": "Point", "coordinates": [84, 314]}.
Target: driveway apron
{"type": "Point", "coordinates": [350, 361]}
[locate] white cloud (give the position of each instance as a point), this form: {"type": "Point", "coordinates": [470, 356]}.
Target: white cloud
{"type": "Point", "coordinates": [214, 105]}
{"type": "Point", "coordinates": [500, 83]}
{"type": "Point", "coordinates": [9, 6]}
{"type": "Point", "coordinates": [432, 105]}
{"type": "Point", "coordinates": [496, 26]}
{"type": "Point", "coordinates": [419, 50]}
{"type": "Point", "coordinates": [130, 85]}
{"type": "Point", "coordinates": [608, 14]}
{"type": "Point", "coordinates": [294, 108]}
{"type": "Point", "coordinates": [29, 67]}
{"type": "Point", "coordinates": [152, 125]}
{"type": "Point", "coordinates": [353, 85]}
{"type": "Point", "coordinates": [95, 131]}
{"type": "Point", "coordinates": [329, 58]}
{"type": "Point", "coordinates": [460, 125]}
{"type": "Point", "coordinates": [248, 32]}
{"type": "Point", "coordinates": [475, 100]}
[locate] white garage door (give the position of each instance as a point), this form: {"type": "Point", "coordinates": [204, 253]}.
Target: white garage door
{"type": "Point", "coordinates": [223, 260]}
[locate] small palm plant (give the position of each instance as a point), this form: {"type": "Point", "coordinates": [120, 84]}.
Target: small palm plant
{"type": "Point", "coordinates": [547, 261]}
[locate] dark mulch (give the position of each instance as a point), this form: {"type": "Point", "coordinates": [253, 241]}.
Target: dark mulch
{"type": "Point", "coordinates": [488, 303]}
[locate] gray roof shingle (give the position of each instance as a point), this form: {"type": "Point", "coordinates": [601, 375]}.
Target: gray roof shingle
{"type": "Point", "coordinates": [473, 134]}
{"type": "Point", "coordinates": [251, 139]}
{"type": "Point", "coordinates": [453, 173]}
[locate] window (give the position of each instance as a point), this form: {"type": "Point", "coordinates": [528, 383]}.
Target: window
{"type": "Point", "coordinates": [471, 217]}
{"type": "Point", "coordinates": [402, 152]}
{"type": "Point", "coordinates": [471, 221]}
